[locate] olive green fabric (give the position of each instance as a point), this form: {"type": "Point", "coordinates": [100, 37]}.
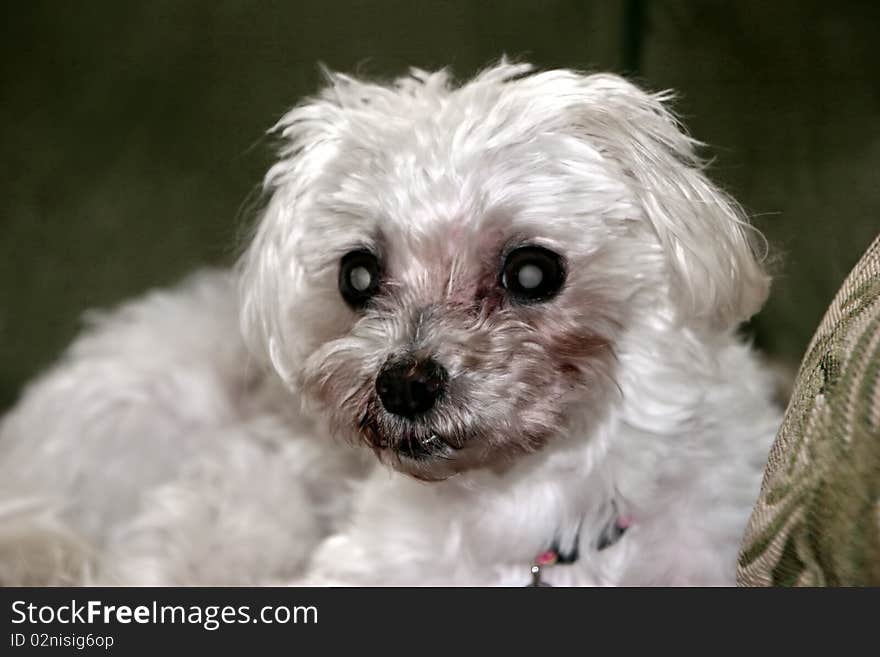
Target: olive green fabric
{"type": "Point", "coordinates": [817, 520]}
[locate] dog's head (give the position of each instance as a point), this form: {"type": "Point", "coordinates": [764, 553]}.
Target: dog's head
{"type": "Point", "coordinates": [443, 271]}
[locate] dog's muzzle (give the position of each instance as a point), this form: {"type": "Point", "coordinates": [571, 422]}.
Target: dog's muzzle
{"type": "Point", "coordinates": [409, 388]}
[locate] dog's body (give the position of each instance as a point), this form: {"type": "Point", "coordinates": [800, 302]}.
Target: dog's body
{"type": "Point", "coordinates": [522, 294]}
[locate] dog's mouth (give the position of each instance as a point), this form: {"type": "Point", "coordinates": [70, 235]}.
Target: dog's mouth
{"type": "Point", "coordinates": [422, 449]}
{"type": "Point", "coordinates": [425, 452]}
{"type": "Point", "coordinates": [414, 443]}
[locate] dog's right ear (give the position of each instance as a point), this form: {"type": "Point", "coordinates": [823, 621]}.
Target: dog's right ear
{"type": "Point", "coordinates": [270, 274]}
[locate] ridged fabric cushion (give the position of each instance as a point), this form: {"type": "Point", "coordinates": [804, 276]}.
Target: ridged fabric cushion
{"type": "Point", "coordinates": [817, 519]}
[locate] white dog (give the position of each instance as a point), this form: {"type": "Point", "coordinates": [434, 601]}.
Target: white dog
{"type": "Point", "coordinates": [484, 326]}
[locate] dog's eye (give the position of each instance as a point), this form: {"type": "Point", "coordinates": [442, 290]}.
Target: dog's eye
{"type": "Point", "coordinates": [532, 273]}
{"type": "Point", "coordinates": [358, 277]}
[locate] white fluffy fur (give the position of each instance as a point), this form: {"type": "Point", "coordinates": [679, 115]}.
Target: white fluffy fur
{"type": "Point", "coordinates": [161, 450]}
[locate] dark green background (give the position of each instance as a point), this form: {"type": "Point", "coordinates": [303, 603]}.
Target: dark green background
{"type": "Point", "coordinates": [132, 132]}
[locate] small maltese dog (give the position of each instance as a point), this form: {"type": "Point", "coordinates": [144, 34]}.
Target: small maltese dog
{"type": "Point", "coordinates": [483, 334]}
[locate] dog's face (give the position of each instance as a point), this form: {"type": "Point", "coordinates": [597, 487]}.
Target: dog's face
{"type": "Point", "coordinates": [444, 273]}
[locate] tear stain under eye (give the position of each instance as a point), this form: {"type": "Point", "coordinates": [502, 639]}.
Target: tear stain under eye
{"type": "Point", "coordinates": [574, 353]}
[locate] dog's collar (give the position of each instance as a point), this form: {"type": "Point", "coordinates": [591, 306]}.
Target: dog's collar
{"type": "Point", "coordinates": [610, 534]}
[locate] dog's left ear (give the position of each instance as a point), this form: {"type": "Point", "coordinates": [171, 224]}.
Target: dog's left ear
{"type": "Point", "coordinates": [270, 271]}
{"type": "Point", "coordinates": [716, 277]}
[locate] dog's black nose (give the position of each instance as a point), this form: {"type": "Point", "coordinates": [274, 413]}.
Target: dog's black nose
{"type": "Point", "coordinates": [410, 386]}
